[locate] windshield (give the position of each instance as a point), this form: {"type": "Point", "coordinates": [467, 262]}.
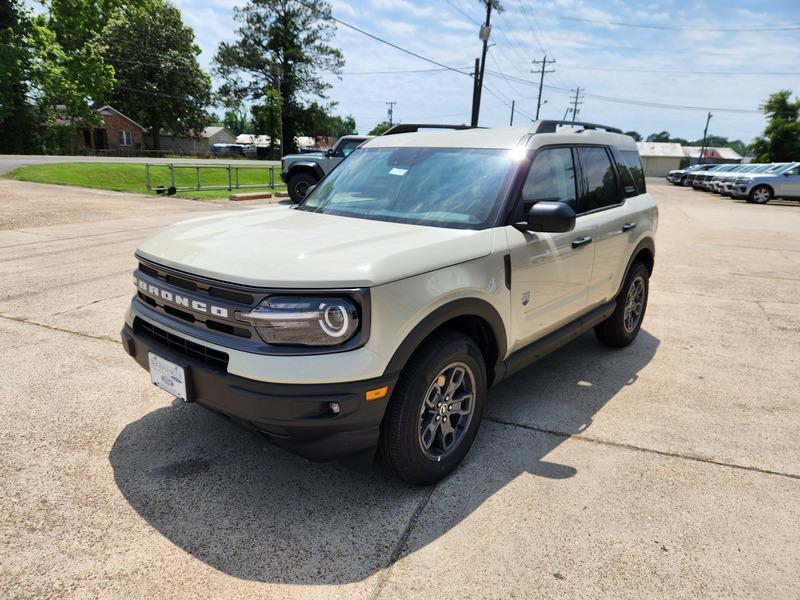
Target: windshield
{"type": "Point", "coordinates": [441, 187]}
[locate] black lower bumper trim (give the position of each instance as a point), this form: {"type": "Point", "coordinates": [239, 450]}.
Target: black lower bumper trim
{"type": "Point", "coordinates": [298, 417]}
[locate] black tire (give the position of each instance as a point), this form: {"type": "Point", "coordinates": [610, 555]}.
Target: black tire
{"type": "Point", "coordinates": [761, 194]}
{"type": "Point", "coordinates": [401, 442]}
{"type": "Point", "coordinates": [620, 329]}
{"type": "Point", "coordinates": [298, 185]}
{"type": "Point", "coordinates": [683, 182]}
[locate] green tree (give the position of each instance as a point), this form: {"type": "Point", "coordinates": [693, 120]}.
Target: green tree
{"type": "Point", "coordinates": [16, 116]}
{"type": "Point", "coordinates": [236, 122]}
{"type": "Point", "coordinates": [380, 128]}
{"type": "Point", "coordinates": [71, 68]}
{"type": "Point", "coordinates": [781, 139]}
{"type": "Point", "coordinates": [44, 84]}
{"type": "Point", "coordinates": [267, 117]}
{"type": "Point", "coordinates": [282, 45]}
{"type": "Point", "coordinates": [635, 135]}
{"type": "Point", "coordinates": [662, 137]}
{"type": "Point", "coordinates": [159, 81]}
{"type": "Point", "coordinates": [317, 120]}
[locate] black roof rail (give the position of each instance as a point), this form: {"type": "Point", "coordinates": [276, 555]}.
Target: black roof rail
{"type": "Point", "coordinates": [550, 126]}
{"type": "Point", "coordinates": [414, 127]}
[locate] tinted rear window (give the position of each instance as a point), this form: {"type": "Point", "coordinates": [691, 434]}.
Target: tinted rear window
{"type": "Point", "coordinates": [634, 164]}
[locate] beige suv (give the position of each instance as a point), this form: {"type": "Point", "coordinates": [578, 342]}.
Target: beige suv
{"type": "Point", "coordinates": [423, 269]}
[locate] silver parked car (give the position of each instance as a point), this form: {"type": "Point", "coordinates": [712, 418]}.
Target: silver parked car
{"type": "Point", "coordinates": [761, 188]}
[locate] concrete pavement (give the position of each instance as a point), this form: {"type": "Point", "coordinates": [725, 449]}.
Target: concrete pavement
{"type": "Point", "coordinates": [667, 469]}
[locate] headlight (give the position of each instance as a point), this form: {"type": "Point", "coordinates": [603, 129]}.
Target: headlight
{"type": "Point", "coordinates": [304, 321]}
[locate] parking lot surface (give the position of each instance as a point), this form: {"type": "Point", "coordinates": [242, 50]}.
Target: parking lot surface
{"type": "Point", "coordinates": [667, 469]}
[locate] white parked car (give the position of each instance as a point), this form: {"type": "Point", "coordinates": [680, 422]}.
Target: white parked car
{"type": "Point", "coordinates": [422, 270]}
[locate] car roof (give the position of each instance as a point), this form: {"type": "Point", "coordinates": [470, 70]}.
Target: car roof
{"type": "Point", "coordinates": [504, 138]}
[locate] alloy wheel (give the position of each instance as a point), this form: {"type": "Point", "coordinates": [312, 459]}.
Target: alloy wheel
{"type": "Point", "coordinates": [634, 305]}
{"type": "Point", "coordinates": [446, 411]}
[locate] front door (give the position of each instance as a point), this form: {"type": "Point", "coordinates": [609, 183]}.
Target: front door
{"type": "Point", "coordinates": [550, 272]}
{"type": "Point", "coordinates": [100, 139]}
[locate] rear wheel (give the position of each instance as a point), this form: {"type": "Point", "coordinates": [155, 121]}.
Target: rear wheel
{"type": "Point", "coordinates": [761, 194]}
{"type": "Point", "coordinates": [298, 185]}
{"type": "Point", "coordinates": [435, 410]}
{"type": "Point", "coordinates": [622, 327]}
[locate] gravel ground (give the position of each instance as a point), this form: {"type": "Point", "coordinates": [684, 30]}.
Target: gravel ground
{"type": "Point", "coordinates": [667, 469]}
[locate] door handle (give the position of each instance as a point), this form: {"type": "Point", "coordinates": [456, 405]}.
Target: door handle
{"type": "Point", "coordinates": [628, 226]}
{"type": "Point", "coordinates": [581, 242]}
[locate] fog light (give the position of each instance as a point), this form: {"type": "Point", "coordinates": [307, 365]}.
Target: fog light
{"type": "Point", "coordinates": [334, 407]}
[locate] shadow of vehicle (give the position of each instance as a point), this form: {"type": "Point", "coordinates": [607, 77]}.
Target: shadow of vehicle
{"type": "Point", "coordinates": [251, 510]}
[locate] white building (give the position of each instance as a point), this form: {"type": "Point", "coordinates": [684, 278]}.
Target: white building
{"type": "Point", "coordinates": [658, 158]}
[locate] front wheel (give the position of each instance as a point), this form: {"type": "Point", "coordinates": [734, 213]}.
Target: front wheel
{"type": "Point", "coordinates": [435, 410]}
{"type": "Point", "coordinates": [298, 185]}
{"type": "Point", "coordinates": [622, 327]}
{"type": "Point", "coordinates": [761, 194]}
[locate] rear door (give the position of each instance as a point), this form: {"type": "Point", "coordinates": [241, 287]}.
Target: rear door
{"type": "Point", "coordinates": [789, 183]}
{"type": "Point", "coordinates": [550, 271]}
{"type": "Point", "coordinates": [602, 206]}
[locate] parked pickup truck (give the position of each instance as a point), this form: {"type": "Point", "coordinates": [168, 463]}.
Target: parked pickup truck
{"type": "Point", "coordinates": [301, 171]}
{"type": "Point", "coordinates": [425, 268]}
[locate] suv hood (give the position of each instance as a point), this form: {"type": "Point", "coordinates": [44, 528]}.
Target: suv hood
{"type": "Point", "coordinates": [281, 247]}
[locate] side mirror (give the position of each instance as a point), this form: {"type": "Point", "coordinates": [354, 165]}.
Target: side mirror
{"type": "Point", "coordinates": [329, 152]}
{"type": "Point", "coordinates": [549, 217]}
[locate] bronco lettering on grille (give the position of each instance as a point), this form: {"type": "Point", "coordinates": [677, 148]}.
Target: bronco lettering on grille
{"type": "Point", "coordinates": [179, 300]}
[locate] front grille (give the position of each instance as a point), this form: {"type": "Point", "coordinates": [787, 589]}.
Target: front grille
{"type": "Point", "coordinates": [213, 359]}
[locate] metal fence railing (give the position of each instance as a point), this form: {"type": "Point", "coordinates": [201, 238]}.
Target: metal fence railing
{"type": "Point", "coordinates": [232, 179]}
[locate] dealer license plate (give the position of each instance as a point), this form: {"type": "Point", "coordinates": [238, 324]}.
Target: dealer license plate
{"type": "Point", "coordinates": [168, 376]}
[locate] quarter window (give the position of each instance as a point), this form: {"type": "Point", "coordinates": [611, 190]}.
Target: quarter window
{"type": "Point", "coordinates": [599, 178]}
{"type": "Point", "coordinates": [551, 178]}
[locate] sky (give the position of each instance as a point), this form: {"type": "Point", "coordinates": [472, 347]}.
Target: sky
{"type": "Point", "coordinates": [680, 59]}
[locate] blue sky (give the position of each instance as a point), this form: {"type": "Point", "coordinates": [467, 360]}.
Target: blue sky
{"type": "Point", "coordinates": [652, 65]}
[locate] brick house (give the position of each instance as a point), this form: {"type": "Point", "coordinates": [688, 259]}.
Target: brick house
{"type": "Point", "coordinates": [117, 133]}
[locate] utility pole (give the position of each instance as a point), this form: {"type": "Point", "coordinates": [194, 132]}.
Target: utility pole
{"type": "Point", "coordinates": [485, 32]}
{"type": "Point", "coordinates": [542, 70]}
{"type": "Point", "coordinates": [575, 103]}
{"type": "Point", "coordinates": [705, 138]}
{"type": "Point", "coordinates": [513, 102]}
{"type": "Point", "coordinates": [391, 112]}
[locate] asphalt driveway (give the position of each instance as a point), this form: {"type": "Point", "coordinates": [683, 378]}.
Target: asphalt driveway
{"type": "Point", "coordinates": [667, 469]}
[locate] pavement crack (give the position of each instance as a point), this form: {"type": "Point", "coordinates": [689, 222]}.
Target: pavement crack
{"type": "Point", "coordinates": [62, 330]}
{"type": "Point", "coordinates": [89, 304]}
{"type": "Point", "coordinates": [383, 578]}
{"type": "Point", "coordinates": [610, 444]}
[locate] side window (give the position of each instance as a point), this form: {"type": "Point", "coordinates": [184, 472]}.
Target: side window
{"type": "Point", "coordinates": [345, 148]}
{"type": "Point", "coordinates": [599, 179]}
{"type": "Point", "coordinates": [631, 158]}
{"type": "Point", "coordinates": [551, 178]}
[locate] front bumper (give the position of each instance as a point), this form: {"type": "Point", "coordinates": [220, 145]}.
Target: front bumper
{"type": "Point", "coordinates": [284, 176]}
{"type": "Point", "coordinates": [297, 417]}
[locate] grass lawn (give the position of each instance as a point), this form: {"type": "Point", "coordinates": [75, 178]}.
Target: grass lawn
{"type": "Point", "coordinates": [130, 177]}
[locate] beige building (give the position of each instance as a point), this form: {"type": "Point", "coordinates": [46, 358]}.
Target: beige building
{"type": "Point", "coordinates": [658, 158]}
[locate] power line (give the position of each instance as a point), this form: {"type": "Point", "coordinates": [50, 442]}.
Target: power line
{"type": "Point", "coordinates": [463, 13]}
{"type": "Point", "coordinates": [631, 101]}
{"type": "Point", "coordinates": [379, 39]}
{"type": "Point", "coordinates": [787, 27]}
{"type": "Point", "coordinates": [678, 72]}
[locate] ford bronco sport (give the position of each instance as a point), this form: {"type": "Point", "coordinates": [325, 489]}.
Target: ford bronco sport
{"type": "Point", "coordinates": [423, 269]}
